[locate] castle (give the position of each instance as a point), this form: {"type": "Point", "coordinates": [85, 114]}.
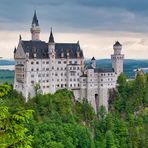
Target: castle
{"type": "Point", "coordinates": [55, 66]}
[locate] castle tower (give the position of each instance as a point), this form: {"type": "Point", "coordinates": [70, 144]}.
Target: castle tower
{"type": "Point", "coordinates": [93, 62]}
{"type": "Point", "coordinates": [117, 58]}
{"type": "Point", "coordinates": [52, 54]}
{"type": "Point", "coordinates": [35, 29]}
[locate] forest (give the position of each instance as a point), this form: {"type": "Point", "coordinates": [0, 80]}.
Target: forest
{"type": "Point", "coordinates": [59, 121]}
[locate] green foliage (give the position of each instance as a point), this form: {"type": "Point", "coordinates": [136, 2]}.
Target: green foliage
{"type": "Point", "coordinates": [4, 89]}
{"type": "Point", "coordinates": [13, 132]}
{"type": "Point", "coordinates": [61, 122]}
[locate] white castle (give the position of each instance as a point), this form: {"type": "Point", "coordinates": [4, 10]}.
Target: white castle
{"type": "Point", "coordinates": [55, 66]}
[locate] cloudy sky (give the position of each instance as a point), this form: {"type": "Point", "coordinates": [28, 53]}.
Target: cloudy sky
{"type": "Point", "coordinates": [97, 24]}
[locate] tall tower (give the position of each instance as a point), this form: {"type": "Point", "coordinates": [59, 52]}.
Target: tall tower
{"type": "Point", "coordinates": [35, 29]}
{"type": "Point", "coordinates": [52, 54]}
{"type": "Point", "coordinates": [117, 58]}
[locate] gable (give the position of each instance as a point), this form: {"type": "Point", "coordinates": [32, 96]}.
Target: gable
{"type": "Point", "coordinates": [19, 54]}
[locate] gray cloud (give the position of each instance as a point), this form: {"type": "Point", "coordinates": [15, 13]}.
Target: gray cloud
{"type": "Point", "coordinates": [76, 16]}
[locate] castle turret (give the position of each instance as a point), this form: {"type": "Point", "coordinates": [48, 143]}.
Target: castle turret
{"type": "Point", "coordinates": [93, 62]}
{"type": "Point", "coordinates": [51, 43]}
{"type": "Point", "coordinates": [117, 58]}
{"type": "Point", "coordinates": [35, 29]}
{"type": "Point", "coordinates": [52, 54]}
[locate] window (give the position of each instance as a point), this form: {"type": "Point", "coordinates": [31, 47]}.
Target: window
{"type": "Point", "coordinates": [70, 85]}
{"type": "Point", "coordinates": [59, 62]}
{"type": "Point", "coordinates": [61, 74]}
{"type": "Point", "coordinates": [47, 69]}
{"type": "Point", "coordinates": [47, 80]}
{"type": "Point", "coordinates": [37, 69]}
{"type": "Point", "coordinates": [32, 69]}
{"type": "Point", "coordinates": [101, 84]}
{"type": "Point", "coordinates": [52, 67]}
{"type": "Point", "coordinates": [72, 74]}
{"type": "Point", "coordinates": [77, 68]}
{"type": "Point", "coordinates": [32, 62]}
{"type": "Point", "coordinates": [101, 79]}
{"type": "Point", "coordinates": [32, 82]}
{"type": "Point", "coordinates": [37, 62]}
{"type": "Point", "coordinates": [32, 76]}
{"type": "Point", "coordinates": [75, 62]}
{"type": "Point", "coordinates": [61, 68]}
{"type": "Point", "coordinates": [74, 68]}
{"type": "Point", "coordinates": [47, 86]}
{"type": "Point", "coordinates": [39, 75]}
{"type": "Point", "coordinates": [57, 68]}
{"type": "Point", "coordinates": [70, 79]}
{"type": "Point", "coordinates": [47, 62]}
{"type": "Point", "coordinates": [65, 62]}
{"type": "Point", "coordinates": [70, 62]}
{"type": "Point", "coordinates": [47, 75]}
{"type": "Point", "coordinates": [74, 79]}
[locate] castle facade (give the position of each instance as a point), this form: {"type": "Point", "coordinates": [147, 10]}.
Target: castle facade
{"type": "Point", "coordinates": [53, 66]}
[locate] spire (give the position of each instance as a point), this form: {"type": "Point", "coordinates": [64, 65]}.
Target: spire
{"type": "Point", "coordinates": [93, 58]}
{"type": "Point", "coordinates": [20, 37]}
{"type": "Point", "coordinates": [51, 38]}
{"type": "Point", "coordinates": [35, 20]}
{"type": "Point", "coordinates": [117, 43]}
{"type": "Point", "coordinates": [15, 49]}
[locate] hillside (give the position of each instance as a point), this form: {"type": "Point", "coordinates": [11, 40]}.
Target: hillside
{"type": "Point", "coordinates": [59, 121]}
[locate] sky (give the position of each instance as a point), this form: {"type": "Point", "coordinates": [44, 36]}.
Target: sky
{"type": "Point", "coordinates": [96, 24]}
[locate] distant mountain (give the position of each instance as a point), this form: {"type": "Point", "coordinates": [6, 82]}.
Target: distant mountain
{"type": "Point", "coordinates": [6, 62]}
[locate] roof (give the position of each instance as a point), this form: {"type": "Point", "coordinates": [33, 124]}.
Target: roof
{"type": "Point", "coordinates": [41, 49]}
{"type": "Point", "coordinates": [35, 20]}
{"type": "Point", "coordinates": [93, 59]}
{"type": "Point", "coordinates": [51, 38]}
{"type": "Point", "coordinates": [101, 70]}
{"type": "Point", "coordinates": [117, 43]}
{"type": "Point", "coordinates": [84, 75]}
{"type": "Point", "coordinates": [14, 50]}
{"type": "Point", "coordinates": [19, 65]}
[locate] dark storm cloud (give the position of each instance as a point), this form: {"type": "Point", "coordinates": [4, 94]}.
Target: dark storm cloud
{"type": "Point", "coordinates": [76, 15]}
